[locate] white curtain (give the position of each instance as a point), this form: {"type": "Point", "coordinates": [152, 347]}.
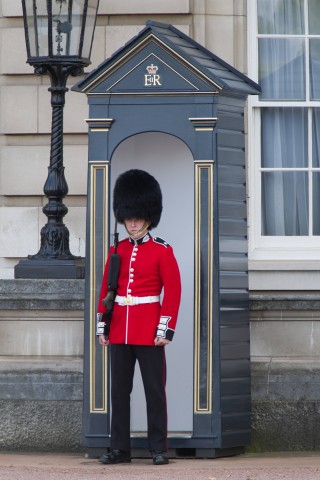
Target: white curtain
{"type": "Point", "coordinates": [282, 68]}
{"type": "Point", "coordinates": [281, 16]}
{"type": "Point", "coordinates": [284, 193]}
{"type": "Point", "coordinates": [315, 68]}
{"type": "Point", "coordinates": [316, 175]}
{"type": "Point", "coordinates": [282, 75]}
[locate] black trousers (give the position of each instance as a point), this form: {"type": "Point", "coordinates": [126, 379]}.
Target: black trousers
{"type": "Point", "coordinates": [152, 364]}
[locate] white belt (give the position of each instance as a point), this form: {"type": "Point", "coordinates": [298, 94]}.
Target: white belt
{"type": "Point", "coordinates": [136, 300]}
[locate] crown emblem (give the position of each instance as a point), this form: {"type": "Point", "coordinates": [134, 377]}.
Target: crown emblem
{"type": "Point", "coordinates": [152, 69]}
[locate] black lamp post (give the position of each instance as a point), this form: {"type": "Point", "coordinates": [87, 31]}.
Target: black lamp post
{"type": "Point", "coordinates": [59, 35]}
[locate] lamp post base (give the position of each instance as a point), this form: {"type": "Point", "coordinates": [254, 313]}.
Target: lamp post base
{"type": "Point", "coordinates": [51, 268]}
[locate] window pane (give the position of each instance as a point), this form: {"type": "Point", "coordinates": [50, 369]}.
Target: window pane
{"type": "Point", "coordinates": [284, 137]}
{"type": "Point", "coordinates": [315, 68]}
{"type": "Point", "coordinates": [285, 203]}
{"type": "Point", "coordinates": [316, 138]}
{"type": "Point", "coordinates": [314, 17]}
{"type": "Point", "coordinates": [281, 16]}
{"type": "Point", "coordinates": [282, 69]}
{"type": "Point", "coordinates": [316, 203]}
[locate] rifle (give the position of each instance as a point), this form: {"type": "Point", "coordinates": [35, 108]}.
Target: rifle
{"type": "Point", "coordinates": [113, 275]}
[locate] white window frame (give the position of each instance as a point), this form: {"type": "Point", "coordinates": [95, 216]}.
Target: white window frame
{"type": "Point", "coordinates": [276, 248]}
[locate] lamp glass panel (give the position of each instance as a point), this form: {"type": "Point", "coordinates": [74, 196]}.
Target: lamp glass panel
{"type": "Point", "coordinates": [72, 27]}
{"type": "Point", "coordinates": [37, 22]}
{"type": "Point", "coordinates": [89, 26]}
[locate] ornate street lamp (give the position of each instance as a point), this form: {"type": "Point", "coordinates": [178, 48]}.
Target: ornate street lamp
{"type": "Point", "coordinates": [59, 35]}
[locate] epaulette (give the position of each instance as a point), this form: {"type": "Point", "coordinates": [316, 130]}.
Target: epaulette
{"type": "Point", "coordinates": [160, 241]}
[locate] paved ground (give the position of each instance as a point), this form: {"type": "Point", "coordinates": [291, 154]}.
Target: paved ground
{"type": "Point", "coordinates": [295, 466]}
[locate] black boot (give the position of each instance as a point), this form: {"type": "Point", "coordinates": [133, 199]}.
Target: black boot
{"type": "Point", "coordinates": [159, 457]}
{"type": "Point", "coordinates": [115, 456]}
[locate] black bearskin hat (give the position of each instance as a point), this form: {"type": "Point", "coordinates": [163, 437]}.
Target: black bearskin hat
{"type": "Point", "coordinates": [137, 194]}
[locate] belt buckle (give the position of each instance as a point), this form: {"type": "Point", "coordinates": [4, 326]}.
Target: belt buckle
{"type": "Point", "coordinates": [128, 300]}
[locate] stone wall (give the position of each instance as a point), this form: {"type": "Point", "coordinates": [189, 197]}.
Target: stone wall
{"type": "Point", "coordinates": [285, 330]}
{"type": "Point", "coordinates": [41, 366]}
{"type": "Point", "coordinates": [41, 370]}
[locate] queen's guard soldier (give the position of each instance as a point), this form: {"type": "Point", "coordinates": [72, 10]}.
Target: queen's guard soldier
{"type": "Point", "coordinates": [141, 325]}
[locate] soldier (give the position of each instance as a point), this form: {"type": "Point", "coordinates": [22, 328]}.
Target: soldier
{"type": "Point", "coordinates": [141, 326]}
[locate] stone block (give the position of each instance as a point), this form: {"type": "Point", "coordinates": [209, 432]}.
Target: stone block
{"type": "Point", "coordinates": [24, 169]}
{"type": "Point", "coordinates": [76, 223]}
{"type": "Point", "coordinates": [240, 47]}
{"type": "Point", "coordinates": [284, 426]}
{"type": "Point", "coordinates": [76, 162]}
{"type": "Point", "coordinates": [118, 35]}
{"type": "Point", "coordinates": [7, 268]}
{"type": "Point", "coordinates": [281, 379]}
{"type": "Point", "coordinates": [116, 7]}
{"type": "Point", "coordinates": [283, 338]}
{"type": "Point", "coordinates": [14, 119]}
{"type": "Point", "coordinates": [12, 40]}
{"type": "Point", "coordinates": [275, 280]}
{"type": "Point", "coordinates": [45, 299]}
{"type": "Point", "coordinates": [75, 112]}
{"type": "Point", "coordinates": [199, 29]}
{"type": "Point", "coordinates": [12, 8]}
{"type": "Point", "coordinates": [220, 7]}
{"type": "Point", "coordinates": [19, 231]}
{"type": "Point", "coordinates": [41, 338]}
{"type": "Point", "coordinates": [42, 426]}
{"type": "Point", "coordinates": [220, 36]}
{"type": "Point", "coordinates": [53, 379]}
{"type": "Point", "coordinates": [40, 386]}
{"type": "Point", "coordinates": [199, 7]}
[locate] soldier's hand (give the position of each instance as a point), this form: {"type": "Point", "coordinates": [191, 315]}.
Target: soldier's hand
{"type": "Point", "coordinates": [103, 340]}
{"type": "Point", "coordinates": [160, 342]}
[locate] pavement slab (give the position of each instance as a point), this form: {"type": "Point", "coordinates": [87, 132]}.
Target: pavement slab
{"type": "Point", "coordinates": [293, 466]}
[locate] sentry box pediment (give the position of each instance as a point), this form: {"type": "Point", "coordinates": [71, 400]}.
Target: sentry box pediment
{"type": "Point", "coordinates": [163, 60]}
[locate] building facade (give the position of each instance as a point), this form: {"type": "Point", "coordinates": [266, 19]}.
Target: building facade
{"type": "Point", "coordinates": [277, 44]}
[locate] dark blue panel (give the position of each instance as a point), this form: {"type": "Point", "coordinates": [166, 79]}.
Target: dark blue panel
{"type": "Point", "coordinates": [232, 192]}
{"type": "Point", "coordinates": [230, 316]}
{"type": "Point", "coordinates": [234, 333]}
{"type": "Point", "coordinates": [232, 438]}
{"type": "Point", "coordinates": [234, 403]}
{"type": "Point", "coordinates": [231, 209]}
{"type": "Point", "coordinates": [234, 299]}
{"type": "Point", "coordinates": [234, 351]}
{"type": "Point", "coordinates": [233, 226]}
{"type": "Point", "coordinates": [231, 156]}
{"type": "Point", "coordinates": [229, 121]}
{"type": "Point", "coordinates": [236, 421]}
{"type": "Point", "coordinates": [232, 174]}
{"type": "Point", "coordinates": [231, 280]}
{"type": "Point", "coordinates": [233, 245]}
{"type": "Point", "coordinates": [233, 262]}
{"type": "Point", "coordinates": [230, 139]}
{"type": "Point", "coordinates": [242, 386]}
{"type": "Point", "coordinates": [235, 368]}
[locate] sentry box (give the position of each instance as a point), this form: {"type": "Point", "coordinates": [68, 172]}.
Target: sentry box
{"type": "Point", "coordinates": [165, 104]}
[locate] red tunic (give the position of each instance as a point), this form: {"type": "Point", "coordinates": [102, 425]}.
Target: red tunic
{"type": "Point", "coordinates": [147, 266]}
